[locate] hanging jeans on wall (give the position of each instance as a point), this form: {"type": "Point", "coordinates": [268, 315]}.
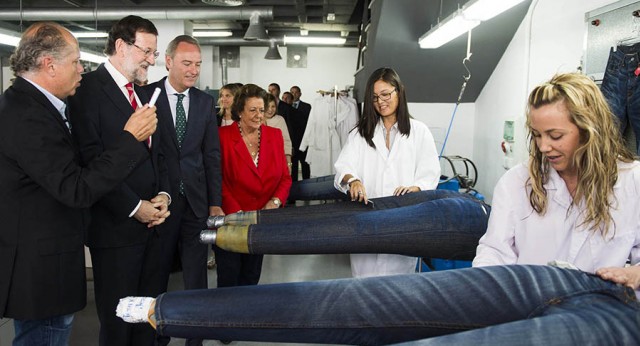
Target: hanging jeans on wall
{"type": "Point", "coordinates": [621, 87]}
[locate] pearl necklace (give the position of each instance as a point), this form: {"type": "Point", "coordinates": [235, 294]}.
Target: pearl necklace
{"type": "Point", "coordinates": [255, 154]}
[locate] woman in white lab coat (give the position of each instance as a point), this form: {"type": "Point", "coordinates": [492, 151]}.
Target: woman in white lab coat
{"type": "Point", "coordinates": [387, 153]}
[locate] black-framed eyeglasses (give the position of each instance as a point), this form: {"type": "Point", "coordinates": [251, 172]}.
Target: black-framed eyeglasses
{"type": "Point", "coordinates": [147, 52]}
{"type": "Point", "coordinates": [385, 96]}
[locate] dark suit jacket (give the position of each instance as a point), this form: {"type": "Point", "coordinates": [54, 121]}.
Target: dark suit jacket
{"type": "Point", "coordinates": [284, 109]}
{"type": "Point", "coordinates": [198, 163]}
{"type": "Point", "coordinates": [245, 186]}
{"type": "Point", "coordinates": [100, 111]}
{"type": "Point", "coordinates": [298, 123]}
{"type": "Point", "coordinates": [43, 202]}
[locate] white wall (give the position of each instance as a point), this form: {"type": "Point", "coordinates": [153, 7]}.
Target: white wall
{"type": "Point", "coordinates": [549, 40]}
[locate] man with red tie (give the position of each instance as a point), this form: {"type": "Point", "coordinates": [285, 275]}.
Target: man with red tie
{"type": "Point", "coordinates": [122, 236]}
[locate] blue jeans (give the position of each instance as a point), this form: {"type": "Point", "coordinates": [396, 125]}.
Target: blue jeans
{"type": "Point", "coordinates": [52, 331]}
{"type": "Point", "coordinates": [315, 189]}
{"type": "Point", "coordinates": [621, 88]}
{"type": "Point", "coordinates": [436, 223]}
{"type": "Point", "coordinates": [500, 305]}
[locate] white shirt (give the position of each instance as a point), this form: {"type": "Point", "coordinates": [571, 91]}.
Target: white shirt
{"type": "Point", "coordinates": [412, 160]}
{"type": "Point", "coordinates": [518, 235]}
{"type": "Point", "coordinates": [173, 100]}
{"type": "Point", "coordinates": [121, 81]}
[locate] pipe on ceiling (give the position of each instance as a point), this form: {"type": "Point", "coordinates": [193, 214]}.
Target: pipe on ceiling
{"type": "Point", "coordinates": [221, 41]}
{"type": "Point", "coordinates": [82, 14]}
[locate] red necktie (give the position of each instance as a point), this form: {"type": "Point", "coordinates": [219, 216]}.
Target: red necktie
{"type": "Point", "coordinates": [134, 105]}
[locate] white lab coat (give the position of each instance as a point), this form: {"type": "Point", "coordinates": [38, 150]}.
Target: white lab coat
{"type": "Point", "coordinates": [518, 235]}
{"type": "Point", "coordinates": [413, 160]}
{"type": "Point", "coordinates": [330, 120]}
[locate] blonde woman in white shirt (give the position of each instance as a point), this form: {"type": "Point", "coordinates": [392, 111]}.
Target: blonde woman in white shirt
{"type": "Point", "coordinates": [387, 154]}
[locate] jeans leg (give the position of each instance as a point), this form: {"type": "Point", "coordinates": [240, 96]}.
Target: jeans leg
{"type": "Point", "coordinates": [315, 189]}
{"type": "Point", "coordinates": [379, 310]}
{"type": "Point", "coordinates": [52, 331]}
{"type": "Point", "coordinates": [346, 209]}
{"type": "Point", "coordinates": [447, 228]}
{"type": "Point", "coordinates": [587, 319]}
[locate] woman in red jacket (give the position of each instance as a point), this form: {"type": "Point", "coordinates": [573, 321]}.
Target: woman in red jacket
{"type": "Point", "coordinates": [255, 176]}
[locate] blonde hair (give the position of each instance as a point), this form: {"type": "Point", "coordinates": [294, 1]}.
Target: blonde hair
{"type": "Point", "coordinates": [233, 89]}
{"type": "Point", "coordinates": [596, 159]}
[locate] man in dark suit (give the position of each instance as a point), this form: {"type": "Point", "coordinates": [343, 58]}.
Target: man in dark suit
{"type": "Point", "coordinates": [192, 152]}
{"type": "Point", "coordinates": [284, 109]}
{"type": "Point", "coordinates": [46, 191]}
{"type": "Point", "coordinates": [297, 124]}
{"type": "Point", "coordinates": [122, 237]}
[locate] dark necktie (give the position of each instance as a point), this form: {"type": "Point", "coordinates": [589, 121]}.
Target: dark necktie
{"type": "Point", "coordinates": [134, 105]}
{"type": "Point", "coordinates": [181, 129]}
{"type": "Point", "coordinates": [181, 120]}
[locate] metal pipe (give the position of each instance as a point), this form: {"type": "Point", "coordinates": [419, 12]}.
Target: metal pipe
{"type": "Point", "coordinates": [83, 14]}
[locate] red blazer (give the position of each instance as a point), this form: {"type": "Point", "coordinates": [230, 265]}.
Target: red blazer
{"type": "Point", "coordinates": [245, 186]}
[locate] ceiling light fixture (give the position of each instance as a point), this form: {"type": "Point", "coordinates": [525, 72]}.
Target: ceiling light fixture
{"type": "Point", "coordinates": [218, 33]}
{"type": "Point", "coordinates": [256, 30]}
{"type": "Point", "coordinates": [463, 20]}
{"type": "Point", "coordinates": [10, 39]}
{"type": "Point", "coordinates": [314, 40]}
{"type": "Point", "coordinates": [90, 34]}
{"type": "Point", "coordinates": [224, 2]}
{"type": "Point", "coordinates": [272, 52]}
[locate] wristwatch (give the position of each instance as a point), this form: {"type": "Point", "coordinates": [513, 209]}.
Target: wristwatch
{"type": "Point", "coordinates": [276, 201]}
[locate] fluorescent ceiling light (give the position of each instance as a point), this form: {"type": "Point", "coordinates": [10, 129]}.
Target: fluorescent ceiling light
{"type": "Point", "coordinates": [91, 57]}
{"type": "Point", "coordinates": [218, 33]}
{"type": "Point", "coordinates": [446, 31]}
{"type": "Point", "coordinates": [314, 40]}
{"type": "Point", "coordinates": [9, 40]}
{"type": "Point", "coordinates": [487, 9]}
{"type": "Point", "coordinates": [90, 34]}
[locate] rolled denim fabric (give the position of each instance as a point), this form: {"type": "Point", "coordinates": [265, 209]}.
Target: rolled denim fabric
{"type": "Point", "coordinates": [242, 218]}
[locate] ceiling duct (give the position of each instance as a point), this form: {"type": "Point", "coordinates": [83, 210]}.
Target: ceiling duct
{"type": "Point", "coordinates": [256, 30]}
{"type": "Point", "coordinates": [117, 13]}
{"type": "Point", "coordinates": [272, 52]}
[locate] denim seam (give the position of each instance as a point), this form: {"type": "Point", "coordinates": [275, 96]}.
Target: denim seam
{"type": "Point", "coordinates": [622, 297]}
{"type": "Point", "coordinates": [289, 325]}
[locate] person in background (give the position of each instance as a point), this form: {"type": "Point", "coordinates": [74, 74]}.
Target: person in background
{"type": "Point", "coordinates": [297, 125]}
{"type": "Point", "coordinates": [123, 237]}
{"type": "Point", "coordinates": [283, 108]}
{"type": "Point", "coordinates": [574, 205]}
{"type": "Point", "coordinates": [287, 98]}
{"type": "Point", "coordinates": [255, 176]}
{"type": "Point", "coordinates": [46, 192]}
{"type": "Point", "coordinates": [225, 101]}
{"type": "Point", "coordinates": [388, 153]}
{"type": "Point", "coordinates": [192, 152]}
{"type": "Point", "coordinates": [274, 120]}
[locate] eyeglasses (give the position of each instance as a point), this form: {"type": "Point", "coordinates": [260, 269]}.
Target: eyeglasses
{"type": "Point", "coordinates": [147, 52]}
{"type": "Point", "coordinates": [385, 96]}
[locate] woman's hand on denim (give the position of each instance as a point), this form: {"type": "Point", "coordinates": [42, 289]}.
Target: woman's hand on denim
{"type": "Point", "coordinates": [628, 276]}
{"type": "Point", "coordinates": [401, 190]}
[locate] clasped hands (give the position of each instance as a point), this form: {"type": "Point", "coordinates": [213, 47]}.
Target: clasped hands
{"type": "Point", "coordinates": [153, 212]}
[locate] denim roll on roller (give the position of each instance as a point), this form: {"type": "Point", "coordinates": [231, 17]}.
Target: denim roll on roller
{"type": "Point", "coordinates": [498, 305]}
{"type": "Point", "coordinates": [621, 87]}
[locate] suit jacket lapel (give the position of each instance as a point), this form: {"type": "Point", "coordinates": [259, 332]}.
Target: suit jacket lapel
{"type": "Point", "coordinates": [28, 88]}
{"type": "Point", "coordinates": [113, 92]}
{"type": "Point", "coordinates": [164, 112]}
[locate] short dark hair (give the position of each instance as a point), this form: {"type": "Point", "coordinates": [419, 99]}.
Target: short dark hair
{"type": "Point", "coordinates": [246, 92]}
{"type": "Point", "coordinates": [296, 87]}
{"type": "Point", "coordinates": [126, 29]}
{"type": "Point", "coordinates": [173, 45]}
{"type": "Point", "coordinates": [277, 86]}
{"type": "Point", "coordinates": [40, 39]}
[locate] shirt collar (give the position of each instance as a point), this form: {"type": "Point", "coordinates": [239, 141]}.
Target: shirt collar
{"type": "Point", "coordinates": [118, 77]}
{"type": "Point", "coordinates": [56, 102]}
{"type": "Point", "coordinates": [171, 90]}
